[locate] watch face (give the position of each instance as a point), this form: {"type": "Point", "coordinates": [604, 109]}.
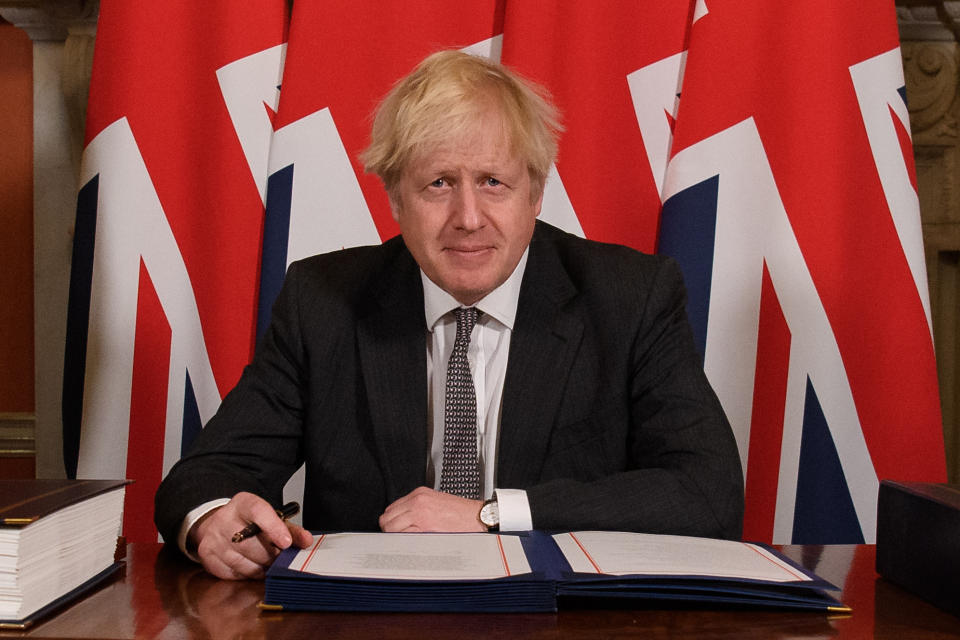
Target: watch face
{"type": "Point", "coordinates": [490, 514]}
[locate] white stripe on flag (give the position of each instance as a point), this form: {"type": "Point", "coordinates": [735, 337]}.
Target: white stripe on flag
{"type": "Point", "coordinates": [876, 82]}
{"type": "Point", "coordinates": [247, 84]}
{"type": "Point", "coordinates": [752, 229]}
{"type": "Point", "coordinates": [131, 225]}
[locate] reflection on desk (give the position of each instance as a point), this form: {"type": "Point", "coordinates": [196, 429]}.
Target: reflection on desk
{"type": "Point", "coordinates": [162, 595]}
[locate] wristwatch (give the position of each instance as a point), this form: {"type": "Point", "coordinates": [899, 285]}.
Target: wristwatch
{"type": "Point", "coordinates": [489, 515]}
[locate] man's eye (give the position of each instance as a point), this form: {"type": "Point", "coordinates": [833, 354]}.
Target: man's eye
{"type": "Point", "coordinates": [493, 182]}
{"type": "Point", "coordinates": [439, 182]}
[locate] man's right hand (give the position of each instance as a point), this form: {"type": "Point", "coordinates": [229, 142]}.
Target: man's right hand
{"type": "Point", "coordinates": [222, 557]}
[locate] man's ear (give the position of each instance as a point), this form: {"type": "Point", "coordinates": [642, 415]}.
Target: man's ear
{"type": "Point", "coordinates": [394, 206]}
{"type": "Point", "coordinates": [538, 202]}
{"type": "Point", "coordinates": [537, 187]}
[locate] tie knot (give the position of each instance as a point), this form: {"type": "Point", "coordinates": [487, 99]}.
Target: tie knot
{"type": "Point", "coordinates": [466, 318]}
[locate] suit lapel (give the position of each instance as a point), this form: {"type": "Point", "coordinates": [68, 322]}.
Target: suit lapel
{"type": "Point", "coordinates": [544, 342]}
{"type": "Point", "coordinates": [392, 348]}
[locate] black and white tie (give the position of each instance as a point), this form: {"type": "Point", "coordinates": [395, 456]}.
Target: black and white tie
{"type": "Point", "coordinates": [460, 474]}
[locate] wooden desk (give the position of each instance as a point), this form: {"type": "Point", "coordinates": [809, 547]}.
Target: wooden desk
{"type": "Point", "coordinates": [160, 595]}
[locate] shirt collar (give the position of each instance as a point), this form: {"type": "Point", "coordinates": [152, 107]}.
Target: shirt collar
{"type": "Point", "coordinates": [501, 303]}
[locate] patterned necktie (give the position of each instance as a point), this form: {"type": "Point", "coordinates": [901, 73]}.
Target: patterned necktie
{"type": "Point", "coordinates": [460, 474]}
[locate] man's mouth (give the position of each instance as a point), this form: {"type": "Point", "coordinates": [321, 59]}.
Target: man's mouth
{"type": "Point", "coordinates": [468, 250]}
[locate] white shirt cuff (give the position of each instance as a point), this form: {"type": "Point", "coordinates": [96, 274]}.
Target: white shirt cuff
{"type": "Point", "coordinates": [514, 510]}
{"type": "Point", "coordinates": [191, 519]}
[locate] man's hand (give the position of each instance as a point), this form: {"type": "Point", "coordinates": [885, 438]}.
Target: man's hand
{"type": "Point", "coordinates": [424, 509]}
{"type": "Point", "coordinates": [248, 559]}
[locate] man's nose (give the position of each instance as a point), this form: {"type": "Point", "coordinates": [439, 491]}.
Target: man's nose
{"type": "Point", "coordinates": [469, 213]}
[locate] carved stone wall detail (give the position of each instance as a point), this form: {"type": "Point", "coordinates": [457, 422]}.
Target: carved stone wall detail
{"type": "Point", "coordinates": [930, 70]}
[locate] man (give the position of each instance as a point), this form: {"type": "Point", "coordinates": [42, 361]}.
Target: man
{"type": "Point", "coordinates": [480, 355]}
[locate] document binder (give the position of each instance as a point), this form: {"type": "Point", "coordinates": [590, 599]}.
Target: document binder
{"type": "Point", "coordinates": [550, 580]}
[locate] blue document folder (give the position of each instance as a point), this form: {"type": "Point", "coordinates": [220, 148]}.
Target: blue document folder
{"type": "Point", "coordinates": [547, 582]}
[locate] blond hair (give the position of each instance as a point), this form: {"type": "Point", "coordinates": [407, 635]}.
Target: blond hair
{"type": "Point", "coordinates": [443, 98]}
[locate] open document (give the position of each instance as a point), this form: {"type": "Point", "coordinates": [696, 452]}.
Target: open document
{"type": "Point", "coordinates": [414, 556]}
{"type": "Point", "coordinates": [621, 554]}
{"type": "Point", "coordinates": [534, 571]}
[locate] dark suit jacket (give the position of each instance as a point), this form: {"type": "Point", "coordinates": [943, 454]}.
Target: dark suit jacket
{"type": "Point", "coordinates": [607, 419]}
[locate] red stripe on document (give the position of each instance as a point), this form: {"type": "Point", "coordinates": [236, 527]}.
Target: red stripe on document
{"type": "Point", "coordinates": [589, 557]}
{"type": "Point", "coordinates": [503, 556]}
{"type": "Point", "coordinates": [316, 546]}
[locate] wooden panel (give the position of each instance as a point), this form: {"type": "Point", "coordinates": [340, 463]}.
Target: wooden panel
{"type": "Point", "coordinates": [947, 335]}
{"type": "Point", "coordinates": [16, 220]}
{"type": "Point", "coordinates": [17, 467]}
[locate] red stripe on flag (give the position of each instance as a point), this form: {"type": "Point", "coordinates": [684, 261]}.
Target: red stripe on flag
{"type": "Point", "coordinates": [158, 68]}
{"type": "Point", "coordinates": [671, 120]}
{"type": "Point", "coordinates": [906, 147]}
{"type": "Point", "coordinates": [151, 358]}
{"type": "Point", "coordinates": [766, 423]}
{"type": "Point", "coordinates": [583, 56]}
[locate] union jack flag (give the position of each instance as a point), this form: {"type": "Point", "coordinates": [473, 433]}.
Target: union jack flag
{"type": "Point", "coordinates": [778, 145]}
{"type": "Point", "coordinates": [790, 203]}
{"type": "Point", "coordinates": [167, 241]}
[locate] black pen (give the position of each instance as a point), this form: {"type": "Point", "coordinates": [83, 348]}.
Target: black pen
{"type": "Point", "coordinates": [285, 512]}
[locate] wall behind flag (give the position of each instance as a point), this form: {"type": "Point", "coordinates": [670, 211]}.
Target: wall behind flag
{"type": "Point", "coordinates": [16, 253]}
{"type": "Point", "coordinates": [930, 67]}
{"type": "Point", "coordinates": [16, 219]}
{"type": "Point", "coordinates": [61, 52]}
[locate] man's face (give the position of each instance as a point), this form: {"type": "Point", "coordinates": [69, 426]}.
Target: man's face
{"type": "Point", "coordinates": [466, 212]}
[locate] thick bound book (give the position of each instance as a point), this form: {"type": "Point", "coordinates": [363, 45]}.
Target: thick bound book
{"type": "Point", "coordinates": [534, 571]}
{"type": "Point", "coordinates": [918, 539]}
{"type": "Point", "coordinates": [58, 538]}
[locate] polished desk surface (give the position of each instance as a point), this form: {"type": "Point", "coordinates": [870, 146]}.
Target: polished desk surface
{"type": "Point", "coordinates": [161, 595]}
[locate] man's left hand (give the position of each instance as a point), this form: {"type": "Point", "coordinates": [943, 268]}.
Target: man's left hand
{"type": "Point", "coordinates": [424, 509]}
